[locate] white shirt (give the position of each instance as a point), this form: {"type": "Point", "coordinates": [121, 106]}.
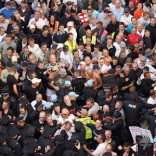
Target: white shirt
{"type": "Point", "coordinates": [35, 50]}
{"type": "Point", "coordinates": [33, 103]}
{"type": "Point", "coordinates": [151, 100]}
{"type": "Point", "coordinates": [70, 118]}
{"type": "Point", "coordinates": [73, 31]}
{"type": "Point", "coordinates": [100, 149]}
{"type": "Point", "coordinates": [39, 24]}
{"type": "Point", "coordinates": [104, 67]}
{"type": "Point", "coordinates": [141, 33]}
{"type": "Point", "coordinates": [153, 77]}
{"type": "Point", "coordinates": [68, 58]}
{"type": "Point", "coordinates": [126, 20]}
{"type": "Point", "coordinates": [1, 37]}
{"type": "Point", "coordinates": [93, 110]}
{"type": "Point", "coordinates": [118, 49]}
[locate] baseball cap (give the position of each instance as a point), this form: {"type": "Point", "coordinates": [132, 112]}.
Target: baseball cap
{"type": "Point", "coordinates": [96, 66]}
{"type": "Point", "coordinates": [90, 83]}
{"type": "Point", "coordinates": [67, 83]}
{"type": "Point", "coordinates": [142, 58]}
{"type": "Point", "coordinates": [73, 94]}
{"type": "Point", "coordinates": [148, 52]}
{"type": "Point", "coordinates": [129, 59]}
{"type": "Point", "coordinates": [38, 104]}
{"type": "Point", "coordinates": [48, 105]}
{"type": "Point", "coordinates": [60, 45]}
{"type": "Point", "coordinates": [67, 12]}
{"type": "Point", "coordinates": [123, 45]}
{"type": "Point", "coordinates": [126, 10]}
{"type": "Point", "coordinates": [32, 26]}
{"type": "Point", "coordinates": [69, 3]}
{"type": "Point", "coordinates": [53, 98]}
{"type": "Point", "coordinates": [35, 80]}
{"type": "Point", "coordinates": [9, 3]}
{"type": "Point", "coordinates": [69, 24]}
{"type": "Point", "coordinates": [62, 71]}
{"type": "Point", "coordinates": [14, 59]}
{"type": "Point", "coordinates": [65, 48]}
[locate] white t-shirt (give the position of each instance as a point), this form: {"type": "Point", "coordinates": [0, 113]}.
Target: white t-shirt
{"type": "Point", "coordinates": [70, 118]}
{"type": "Point", "coordinates": [66, 57]}
{"type": "Point", "coordinates": [100, 149]}
{"type": "Point", "coordinates": [151, 101]}
{"type": "Point", "coordinates": [35, 50]}
{"type": "Point", "coordinates": [126, 20]}
{"type": "Point", "coordinates": [104, 67]}
{"type": "Point", "coordinates": [39, 24]}
{"type": "Point", "coordinates": [94, 109]}
{"type": "Point", "coordinates": [33, 103]}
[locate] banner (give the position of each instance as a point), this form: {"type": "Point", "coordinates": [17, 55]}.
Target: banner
{"type": "Point", "coordinates": [140, 132]}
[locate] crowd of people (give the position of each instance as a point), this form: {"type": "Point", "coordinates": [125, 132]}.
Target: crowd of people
{"type": "Point", "coordinates": [75, 75]}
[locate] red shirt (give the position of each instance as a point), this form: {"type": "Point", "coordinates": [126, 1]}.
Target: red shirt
{"type": "Point", "coordinates": [133, 39]}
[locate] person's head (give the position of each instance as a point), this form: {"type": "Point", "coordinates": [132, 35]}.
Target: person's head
{"type": "Point", "coordinates": [134, 21]}
{"type": "Point", "coordinates": [32, 58]}
{"type": "Point", "coordinates": [67, 100]}
{"type": "Point", "coordinates": [42, 116]}
{"type": "Point", "coordinates": [5, 105]}
{"type": "Point", "coordinates": [68, 14]}
{"type": "Point", "coordinates": [37, 15]}
{"type": "Point", "coordinates": [118, 39]}
{"type": "Point", "coordinates": [10, 51]}
{"type": "Point", "coordinates": [49, 119]}
{"type": "Point", "coordinates": [107, 61]}
{"type": "Point", "coordinates": [113, 19]}
{"type": "Point", "coordinates": [89, 12]}
{"type": "Point", "coordinates": [134, 31]}
{"type": "Point", "coordinates": [65, 113]}
{"type": "Point", "coordinates": [109, 148]}
{"type": "Point", "coordinates": [147, 33]}
{"type": "Point", "coordinates": [2, 18]}
{"type": "Point", "coordinates": [45, 31]}
{"type": "Point", "coordinates": [146, 15]}
{"type": "Point", "coordinates": [88, 41]}
{"type": "Point", "coordinates": [154, 7]}
{"type": "Point", "coordinates": [105, 53]}
{"type": "Point", "coordinates": [88, 33]}
{"type": "Point", "coordinates": [100, 138]}
{"type": "Point", "coordinates": [61, 28]}
{"type": "Point", "coordinates": [140, 26]}
{"type": "Point", "coordinates": [127, 147]}
{"type": "Point", "coordinates": [109, 97]}
{"type": "Point", "coordinates": [43, 47]}
{"type": "Point", "coordinates": [121, 26]}
{"type": "Point", "coordinates": [41, 13]}
{"type": "Point", "coordinates": [90, 102]}
{"type": "Point", "coordinates": [39, 97]}
{"type": "Point", "coordinates": [40, 64]}
{"type": "Point", "coordinates": [135, 66]}
{"type": "Point", "coordinates": [117, 4]}
{"type": "Point", "coordinates": [20, 122]}
{"type": "Point", "coordinates": [118, 105]}
{"type": "Point", "coordinates": [139, 6]}
{"type": "Point", "coordinates": [88, 49]}
{"type": "Point", "coordinates": [114, 60]}
{"type": "Point", "coordinates": [109, 42]}
{"type": "Point", "coordinates": [87, 60]}
{"type": "Point", "coordinates": [147, 75]}
{"type": "Point", "coordinates": [8, 39]}
{"type": "Point", "coordinates": [67, 126]}
{"type": "Point", "coordinates": [24, 5]}
{"type": "Point", "coordinates": [31, 74]}
{"type": "Point", "coordinates": [23, 110]}
{"type": "Point", "coordinates": [70, 37]}
{"type": "Point", "coordinates": [52, 59]}
{"type": "Point", "coordinates": [98, 124]}
{"type": "Point", "coordinates": [57, 108]}
{"type": "Point", "coordinates": [99, 25]}
{"type": "Point", "coordinates": [8, 5]}
{"type": "Point", "coordinates": [76, 53]}
{"type": "Point", "coordinates": [131, 4]}
{"type": "Point", "coordinates": [152, 21]}
{"type": "Point", "coordinates": [31, 41]}
{"type": "Point", "coordinates": [127, 70]}
{"type": "Point", "coordinates": [108, 134]}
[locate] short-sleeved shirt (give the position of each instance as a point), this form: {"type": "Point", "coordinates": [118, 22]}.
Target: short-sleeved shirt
{"type": "Point", "coordinates": [100, 149]}
{"type": "Point", "coordinates": [94, 109]}
{"type": "Point", "coordinates": [11, 80]}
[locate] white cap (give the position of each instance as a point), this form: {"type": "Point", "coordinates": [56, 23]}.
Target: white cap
{"type": "Point", "coordinates": [70, 24]}
{"type": "Point", "coordinates": [32, 26]}
{"type": "Point", "coordinates": [14, 58]}
{"type": "Point", "coordinates": [35, 80]}
{"type": "Point", "coordinates": [60, 45]}
{"type": "Point", "coordinates": [82, 63]}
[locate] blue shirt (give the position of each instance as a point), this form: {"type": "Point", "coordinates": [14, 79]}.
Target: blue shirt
{"type": "Point", "coordinates": [7, 13]}
{"type": "Point", "coordinates": [118, 13]}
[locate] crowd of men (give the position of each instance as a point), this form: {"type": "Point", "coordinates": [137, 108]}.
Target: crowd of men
{"type": "Point", "coordinates": [75, 75]}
